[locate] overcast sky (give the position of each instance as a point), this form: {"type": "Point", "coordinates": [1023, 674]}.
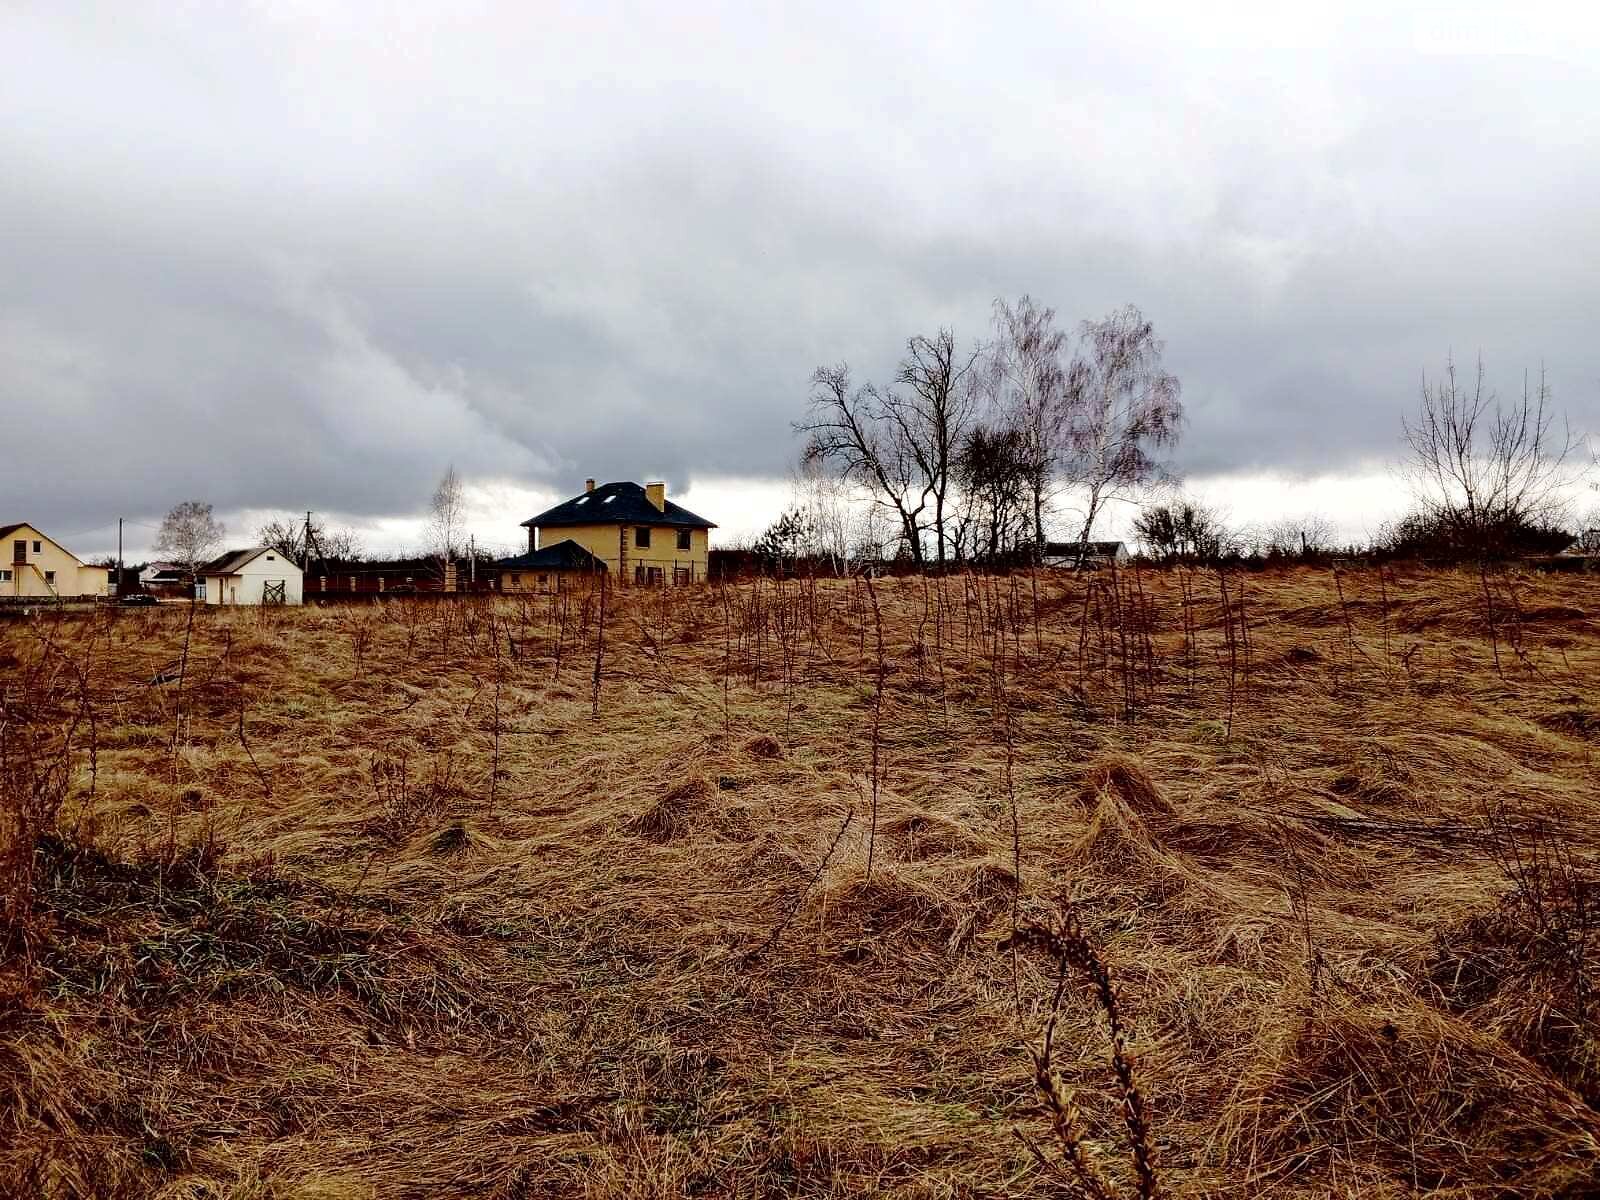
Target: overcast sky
{"type": "Point", "coordinates": [303, 255]}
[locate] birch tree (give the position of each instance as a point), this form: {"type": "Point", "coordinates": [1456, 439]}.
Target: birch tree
{"type": "Point", "coordinates": [190, 536]}
{"type": "Point", "coordinates": [1028, 371]}
{"type": "Point", "coordinates": [1122, 407]}
{"type": "Point", "coordinates": [447, 515]}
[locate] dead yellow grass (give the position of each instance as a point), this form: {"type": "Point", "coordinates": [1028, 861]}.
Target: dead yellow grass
{"type": "Point", "coordinates": [384, 904]}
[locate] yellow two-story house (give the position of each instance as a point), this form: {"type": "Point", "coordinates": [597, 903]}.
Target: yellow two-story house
{"type": "Point", "coordinates": [33, 566]}
{"type": "Point", "coordinates": [634, 532]}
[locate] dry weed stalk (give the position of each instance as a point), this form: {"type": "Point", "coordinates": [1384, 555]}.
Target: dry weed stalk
{"type": "Point", "coordinates": [789, 915]}
{"type": "Point", "coordinates": [727, 655]}
{"type": "Point", "coordinates": [1074, 952]}
{"type": "Point", "coordinates": [1556, 899]}
{"type": "Point", "coordinates": [360, 631]}
{"type": "Point", "coordinates": [244, 742]}
{"type": "Point", "coordinates": [599, 647]}
{"type": "Point", "coordinates": [1352, 646]}
{"type": "Point", "coordinates": [177, 703]}
{"type": "Point", "coordinates": [877, 724]}
{"type": "Point", "coordinates": [1232, 642]}
{"type": "Point", "coordinates": [36, 742]}
{"type": "Point", "coordinates": [499, 683]}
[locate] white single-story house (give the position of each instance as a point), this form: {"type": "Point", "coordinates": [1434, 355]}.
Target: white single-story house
{"type": "Point", "coordinates": [257, 576]}
{"type": "Point", "coordinates": [1095, 554]}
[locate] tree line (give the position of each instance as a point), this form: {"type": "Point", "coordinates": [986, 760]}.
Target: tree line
{"type": "Point", "coordinates": [971, 453]}
{"type": "Point", "coordinates": [969, 450]}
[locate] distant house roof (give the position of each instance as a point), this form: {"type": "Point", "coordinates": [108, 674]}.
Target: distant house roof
{"type": "Point", "coordinates": [233, 560]}
{"type": "Point", "coordinates": [616, 504]}
{"type": "Point", "coordinates": [1068, 549]}
{"type": "Point", "coordinates": [565, 555]}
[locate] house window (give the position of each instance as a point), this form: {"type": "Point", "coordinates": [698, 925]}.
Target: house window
{"type": "Point", "coordinates": [49, 576]}
{"type": "Point", "coordinates": [516, 580]}
{"type": "Point", "coordinates": [641, 537]}
{"type": "Point", "coordinates": [683, 539]}
{"type": "Point", "coordinates": [37, 549]}
{"type": "Point", "coordinates": [5, 575]}
{"type": "Point", "coordinates": [271, 559]}
{"type": "Point", "coordinates": [200, 589]}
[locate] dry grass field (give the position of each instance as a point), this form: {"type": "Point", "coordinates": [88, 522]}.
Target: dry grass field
{"type": "Point", "coordinates": [400, 901]}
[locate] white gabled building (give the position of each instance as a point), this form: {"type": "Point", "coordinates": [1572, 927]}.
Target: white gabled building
{"type": "Point", "coordinates": [1093, 554]}
{"type": "Point", "coordinates": [258, 576]}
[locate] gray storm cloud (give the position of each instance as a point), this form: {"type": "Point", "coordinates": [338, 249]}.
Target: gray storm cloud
{"type": "Point", "coordinates": [291, 257]}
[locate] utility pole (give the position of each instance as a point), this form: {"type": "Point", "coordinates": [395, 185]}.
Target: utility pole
{"type": "Point", "coordinates": [472, 560]}
{"type": "Point", "coordinates": [117, 591]}
{"type": "Point", "coordinates": [310, 542]}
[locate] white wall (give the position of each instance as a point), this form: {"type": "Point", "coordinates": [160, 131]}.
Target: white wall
{"type": "Point", "coordinates": [246, 587]}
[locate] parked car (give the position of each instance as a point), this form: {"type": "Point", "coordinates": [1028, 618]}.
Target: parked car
{"type": "Point", "coordinates": [137, 600]}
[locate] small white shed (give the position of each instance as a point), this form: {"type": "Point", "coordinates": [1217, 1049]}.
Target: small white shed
{"type": "Point", "coordinates": [1090, 555]}
{"type": "Point", "coordinates": [258, 576]}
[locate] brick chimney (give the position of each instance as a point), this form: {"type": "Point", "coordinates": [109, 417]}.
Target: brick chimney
{"type": "Point", "coordinates": [656, 493]}
{"type": "Point", "coordinates": [588, 485]}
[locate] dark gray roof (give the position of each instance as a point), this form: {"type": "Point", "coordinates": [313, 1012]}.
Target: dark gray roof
{"type": "Point", "coordinates": [8, 529]}
{"type": "Point", "coordinates": [563, 556]}
{"type": "Point", "coordinates": [616, 504]}
{"type": "Point", "coordinates": [231, 561]}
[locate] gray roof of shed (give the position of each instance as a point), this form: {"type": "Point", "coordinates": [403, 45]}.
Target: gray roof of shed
{"type": "Point", "coordinates": [230, 562]}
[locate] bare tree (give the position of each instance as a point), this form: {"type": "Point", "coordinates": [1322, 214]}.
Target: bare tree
{"type": "Point", "coordinates": [190, 537]}
{"type": "Point", "coordinates": [997, 485]}
{"type": "Point", "coordinates": [287, 535]}
{"type": "Point", "coordinates": [1122, 407]}
{"type": "Point", "coordinates": [1029, 374]}
{"type": "Point", "coordinates": [446, 515]}
{"type": "Point", "coordinates": [849, 429]}
{"type": "Point", "coordinates": [1484, 470]}
{"type": "Point", "coordinates": [1184, 530]}
{"type": "Point", "coordinates": [902, 446]}
{"type": "Point", "coordinates": [1305, 536]}
{"type": "Point", "coordinates": [826, 501]}
{"type": "Point", "coordinates": [932, 417]}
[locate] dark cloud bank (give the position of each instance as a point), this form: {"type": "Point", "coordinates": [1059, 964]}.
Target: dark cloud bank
{"type": "Point", "coordinates": [282, 262]}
